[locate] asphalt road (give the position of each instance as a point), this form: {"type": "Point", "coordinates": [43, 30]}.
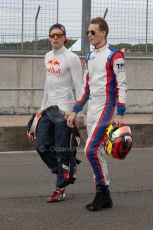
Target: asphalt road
{"type": "Point", "coordinates": [25, 183]}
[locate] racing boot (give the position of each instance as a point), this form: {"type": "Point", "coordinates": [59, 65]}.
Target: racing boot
{"type": "Point", "coordinates": [58, 195]}
{"type": "Point", "coordinates": [102, 200]}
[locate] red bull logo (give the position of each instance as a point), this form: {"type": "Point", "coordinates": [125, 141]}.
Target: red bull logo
{"type": "Point", "coordinates": [53, 62]}
{"type": "Point", "coordinates": [53, 66]}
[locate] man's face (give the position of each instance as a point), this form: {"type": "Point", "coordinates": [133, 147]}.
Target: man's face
{"type": "Point", "coordinates": [57, 38]}
{"type": "Point", "coordinates": [95, 36]}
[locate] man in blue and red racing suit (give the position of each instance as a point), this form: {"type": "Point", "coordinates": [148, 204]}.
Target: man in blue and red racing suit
{"type": "Point", "coordinates": [104, 88]}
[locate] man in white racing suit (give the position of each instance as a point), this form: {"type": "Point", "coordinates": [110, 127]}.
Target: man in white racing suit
{"type": "Point", "coordinates": [104, 88]}
{"type": "Point", "coordinates": [63, 75]}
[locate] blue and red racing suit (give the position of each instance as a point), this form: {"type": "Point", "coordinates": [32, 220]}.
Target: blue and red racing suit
{"type": "Point", "coordinates": [104, 88]}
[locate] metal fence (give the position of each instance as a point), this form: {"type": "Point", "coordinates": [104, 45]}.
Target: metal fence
{"type": "Point", "coordinates": [130, 22]}
{"type": "Point", "coordinates": [24, 24]}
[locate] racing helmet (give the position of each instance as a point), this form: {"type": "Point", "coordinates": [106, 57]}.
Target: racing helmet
{"type": "Point", "coordinates": [117, 141]}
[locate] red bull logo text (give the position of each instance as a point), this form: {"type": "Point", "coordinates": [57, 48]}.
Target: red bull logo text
{"type": "Point", "coordinates": [53, 66]}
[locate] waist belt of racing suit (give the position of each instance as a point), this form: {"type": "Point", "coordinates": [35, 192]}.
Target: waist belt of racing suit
{"type": "Point", "coordinates": [53, 107]}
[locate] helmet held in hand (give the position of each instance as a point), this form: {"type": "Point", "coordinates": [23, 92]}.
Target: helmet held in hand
{"type": "Point", "coordinates": [117, 141]}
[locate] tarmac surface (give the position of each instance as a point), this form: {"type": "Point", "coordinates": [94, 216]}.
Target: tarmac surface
{"type": "Point", "coordinates": [25, 183]}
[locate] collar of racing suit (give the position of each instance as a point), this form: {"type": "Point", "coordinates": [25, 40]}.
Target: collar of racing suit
{"type": "Point", "coordinates": [59, 51]}
{"type": "Point", "coordinates": [101, 48]}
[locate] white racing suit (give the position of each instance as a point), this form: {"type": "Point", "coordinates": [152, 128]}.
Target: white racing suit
{"type": "Point", "coordinates": [104, 88]}
{"type": "Point", "coordinates": [63, 75]}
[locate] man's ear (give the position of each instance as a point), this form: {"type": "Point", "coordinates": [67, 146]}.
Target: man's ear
{"type": "Point", "coordinates": [65, 40]}
{"type": "Point", "coordinates": [103, 33]}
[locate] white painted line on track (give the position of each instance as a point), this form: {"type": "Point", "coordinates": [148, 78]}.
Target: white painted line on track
{"type": "Point", "coordinates": [19, 152]}
{"type": "Point", "coordinates": [79, 150]}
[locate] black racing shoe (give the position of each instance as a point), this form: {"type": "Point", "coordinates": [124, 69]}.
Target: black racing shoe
{"type": "Point", "coordinates": [102, 200]}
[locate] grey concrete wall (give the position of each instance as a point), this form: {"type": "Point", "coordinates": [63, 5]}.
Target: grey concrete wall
{"type": "Point", "coordinates": [140, 76]}
{"type": "Point", "coordinates": [21, 72]}
{"type": "Point", "coordinates": [28, 72]}
{"type": "Point", "coordinates": [14, 138]}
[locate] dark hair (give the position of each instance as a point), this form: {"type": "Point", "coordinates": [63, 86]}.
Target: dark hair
{"type": "Point", "coordinates": [58, 26]}
{"type": "Point", "coordinates": [103, 26]}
